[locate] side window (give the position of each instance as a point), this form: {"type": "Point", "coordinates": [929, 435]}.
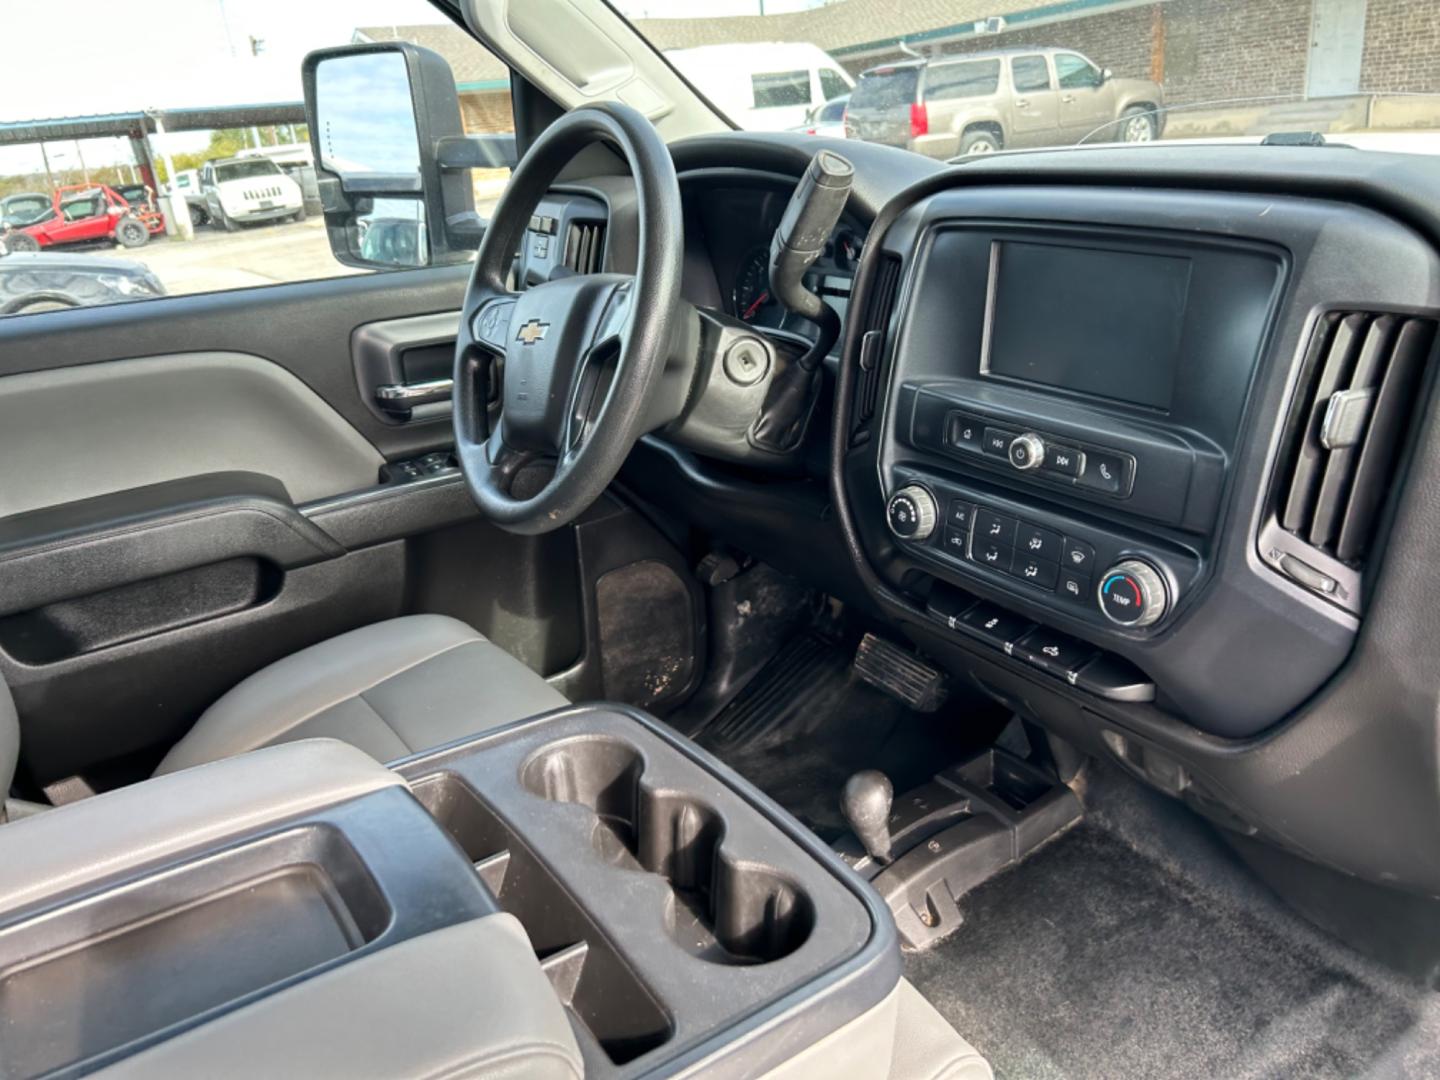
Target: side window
{"type": "Point", "coordinates": [973, 79]}
{"type": "Point", "coordinates": [1031, 74]}
{"type": "Point", "coordinates": [776, 89]}
{"type": "Point", "coordinates": [832, 85]}
{"type": "Point", "coordinates": [234, 137]}
{"type": "Point", "coordinates": [1076, 73]}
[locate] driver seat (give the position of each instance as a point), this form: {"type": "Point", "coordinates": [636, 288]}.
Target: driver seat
{"type": "Point", "coordinates": [391, 689]}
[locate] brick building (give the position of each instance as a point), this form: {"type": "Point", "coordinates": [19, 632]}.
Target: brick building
{"type": "Point", "coordinates": [1199, 50]}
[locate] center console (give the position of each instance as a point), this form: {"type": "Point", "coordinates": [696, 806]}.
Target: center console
{"type": "Point", "coordinates": [1073, 412]}
{"type": "Point", "coordinates": [582, 893]}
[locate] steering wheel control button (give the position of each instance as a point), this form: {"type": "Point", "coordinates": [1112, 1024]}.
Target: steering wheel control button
{"type": "Point", "coordinates": [965, 433]}
{"type": "Point", "coordinates": [1027, 452]}
{"type": "Point", "coordinates": [1038, 572]}
{"type": "Point", "coordinates": [1079, 558]}
{"type": "Point", "coordinates": [960, 514]}
{"type": "Point", "coordinates": [1106, 472]}
{"type": "Point", "coordinates": [1132, 593]}
{"type": "Point", "coordinates": [1062, 460]}
{"type": "Point", "coordinates": [993, 528]}
{"type": "Point", "coordinates": [1053, 652]}
{"type": "Point", "coordinates": [1033, 541]}
{"type": "Point", "coordinates": [1073, 587]}
{"type": "Point", "coordinates": [997, 442]}
{"type": "Point", "coordinates": [746, 362]}
{"type": "Point", "coordinates": [911, 513]}
{"type": "Point", "coordinates": [989, 623]}
{"type": "Point", "coordinates": [996, 556]}
{"type": "Point", "coordinates": [956, 541]}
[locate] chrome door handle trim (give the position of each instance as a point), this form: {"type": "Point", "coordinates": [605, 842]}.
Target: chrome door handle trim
{"type": "Point", "coordinates": [409, 395]}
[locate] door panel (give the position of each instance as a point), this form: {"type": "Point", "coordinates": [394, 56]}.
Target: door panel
{"type": "Point", "coordinates": [80, 432]}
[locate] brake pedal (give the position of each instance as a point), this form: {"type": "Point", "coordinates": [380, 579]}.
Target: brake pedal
{"type": "Point", "coordinates": [900, 673]}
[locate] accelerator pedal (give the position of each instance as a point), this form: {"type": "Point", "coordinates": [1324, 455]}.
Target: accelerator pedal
{"type": "Point", "coordinates": [900, 673]}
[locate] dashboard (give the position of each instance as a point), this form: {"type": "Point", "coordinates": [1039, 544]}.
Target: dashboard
{"type": "Point", "coordinates": [1138, 443]}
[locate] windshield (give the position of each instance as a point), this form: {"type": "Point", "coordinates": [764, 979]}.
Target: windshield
{"type": "Point", "coordinates": [951, 78]}
{"type": "Point", "coordinates": [246, 170]}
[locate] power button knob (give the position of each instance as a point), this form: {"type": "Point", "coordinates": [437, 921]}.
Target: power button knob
{"type": "Point", "coordinates": [911, 512]}
{"type": "Point", "coordinates": [1132, 593]}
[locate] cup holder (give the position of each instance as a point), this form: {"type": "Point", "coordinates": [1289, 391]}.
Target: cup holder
{"type": "Point", "coordinates": [722, 909]}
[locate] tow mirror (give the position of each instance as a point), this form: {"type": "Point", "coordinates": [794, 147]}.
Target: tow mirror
{"type": "Point", "coordinates": [392, 158]}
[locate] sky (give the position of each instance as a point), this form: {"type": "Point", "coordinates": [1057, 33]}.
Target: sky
{"type": "Point", "coordinates": [198, 52]}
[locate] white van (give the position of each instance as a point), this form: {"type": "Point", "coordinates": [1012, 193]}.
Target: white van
{"type": "Point", "coordinates": [763, 87]}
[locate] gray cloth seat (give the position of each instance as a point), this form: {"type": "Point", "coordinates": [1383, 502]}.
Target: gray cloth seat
{"type": "Point", "coordinates": [390, 689]}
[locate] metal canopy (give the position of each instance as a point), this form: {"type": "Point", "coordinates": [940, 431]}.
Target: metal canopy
{"type": "Point", "coordinates": [134, 123]}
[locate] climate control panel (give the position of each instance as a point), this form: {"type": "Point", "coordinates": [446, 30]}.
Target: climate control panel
{"type": "Point", "coordinates": [1095, 574]}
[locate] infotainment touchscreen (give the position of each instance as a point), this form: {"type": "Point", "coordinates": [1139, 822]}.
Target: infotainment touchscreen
{"type": "Point", "coordinates": [1092, 320]}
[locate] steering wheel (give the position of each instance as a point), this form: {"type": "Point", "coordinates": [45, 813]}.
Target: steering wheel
{"type": "Point", "coordinates": [583, 355]}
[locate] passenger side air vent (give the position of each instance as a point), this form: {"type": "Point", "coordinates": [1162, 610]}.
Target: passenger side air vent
{"type": "Point", "coordinates": [585, 247]}
{"type": "Point", "coordinates": [878, 310]}
{"type": "Point", "coordinates": [1364, 374]}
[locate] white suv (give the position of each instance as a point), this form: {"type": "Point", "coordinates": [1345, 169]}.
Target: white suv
{"type": "Point", "coordinates": [240, 191]}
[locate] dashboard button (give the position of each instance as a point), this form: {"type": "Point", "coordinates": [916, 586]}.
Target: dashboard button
{"type": "Point", "coordinates": [995, 556]}
{"type": "Point", "coordinates": [1054, 652]}
{"type": "Point", "coordinates": [965, 433]}
{"type": "Point", "coordinates": [993, 528]}
{"type": "Point", "coordinates": [949, 604]}
{"type": "Point", "coordinates": [960, 514]}
{"type": "Point", "coordinates": [1041, 543]}
{"type": "Point", "coordinates": [1037, 572]}
{"type": "Point", "coordinates": [1064, 460]}
{"type": "Point", "coordinates": [1079, 557]}
{"type": "Point", "coordinates": [956, 541]}
{"type": "Point", "coordinates": [1027, 452]}
{"type": "Point", "coordinates": [1105, 472]}
{"type": "Point", "coordinates": [997, 442]}
{"type": "Point", "coordinates": [1073, 587]}
{"type": "Point", "coordinates": [998, 627]}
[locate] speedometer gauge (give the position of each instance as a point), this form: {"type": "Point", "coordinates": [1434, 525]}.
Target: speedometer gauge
{"type": "Point", "coordinates": [752, 284]}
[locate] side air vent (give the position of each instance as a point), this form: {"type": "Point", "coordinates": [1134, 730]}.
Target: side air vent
{"type": "Point", "coordinates": [585, 247]}
{"type": "Point", "coordinates": [1364, 374]}
{"type": "Point", "coordinates": [878, 310]}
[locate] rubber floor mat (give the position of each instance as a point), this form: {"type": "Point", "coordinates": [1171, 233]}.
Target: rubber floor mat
{"type": "Point", "coordinates": [805, 723]}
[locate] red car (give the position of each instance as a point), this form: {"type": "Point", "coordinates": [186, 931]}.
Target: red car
{"type": "Point", "coordinates": [82, 214]}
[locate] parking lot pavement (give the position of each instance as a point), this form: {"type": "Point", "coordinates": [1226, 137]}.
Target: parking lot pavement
{"type": "Point", "coordinates": [257, 255]}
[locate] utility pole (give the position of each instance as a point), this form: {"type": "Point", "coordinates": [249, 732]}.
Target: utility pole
{"type": "Point", "coordinates": [49, 176]}
{"type": "Point", "coordinates": [84, 172]}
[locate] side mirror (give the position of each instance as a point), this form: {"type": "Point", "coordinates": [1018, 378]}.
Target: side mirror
{"type": "Point", "coordinates": [392, 159]}
{"type": "Point", "coordinates": [1106, 75]}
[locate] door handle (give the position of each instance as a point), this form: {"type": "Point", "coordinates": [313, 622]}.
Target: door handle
{"type": "Point", "coordinates": [1022, 103]}
{"type": "Point", "coordinates": [402, 397]}
{"type": "Point", "coordinates": [1068, 99]}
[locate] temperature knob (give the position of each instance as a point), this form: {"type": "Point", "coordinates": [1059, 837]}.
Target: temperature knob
{"type": "Point", "coordinates": [1132, 593]}
{"type": "Point", "coordinates": [911, 512]}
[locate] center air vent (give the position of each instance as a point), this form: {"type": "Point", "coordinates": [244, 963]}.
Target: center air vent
{"type": "Point", "coordinates": [1364, 374]}
{"type": "Point", "coordinates": [585, 247]}
{"type": "Point", "coordinates": [878, 310]}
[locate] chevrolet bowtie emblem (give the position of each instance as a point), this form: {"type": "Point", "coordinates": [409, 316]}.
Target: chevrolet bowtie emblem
{"type": "Point", "coordinates": [532, 331]}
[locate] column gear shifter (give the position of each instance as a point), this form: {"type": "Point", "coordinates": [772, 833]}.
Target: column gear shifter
{"type": "Point", "coordinates": [799, 240]}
